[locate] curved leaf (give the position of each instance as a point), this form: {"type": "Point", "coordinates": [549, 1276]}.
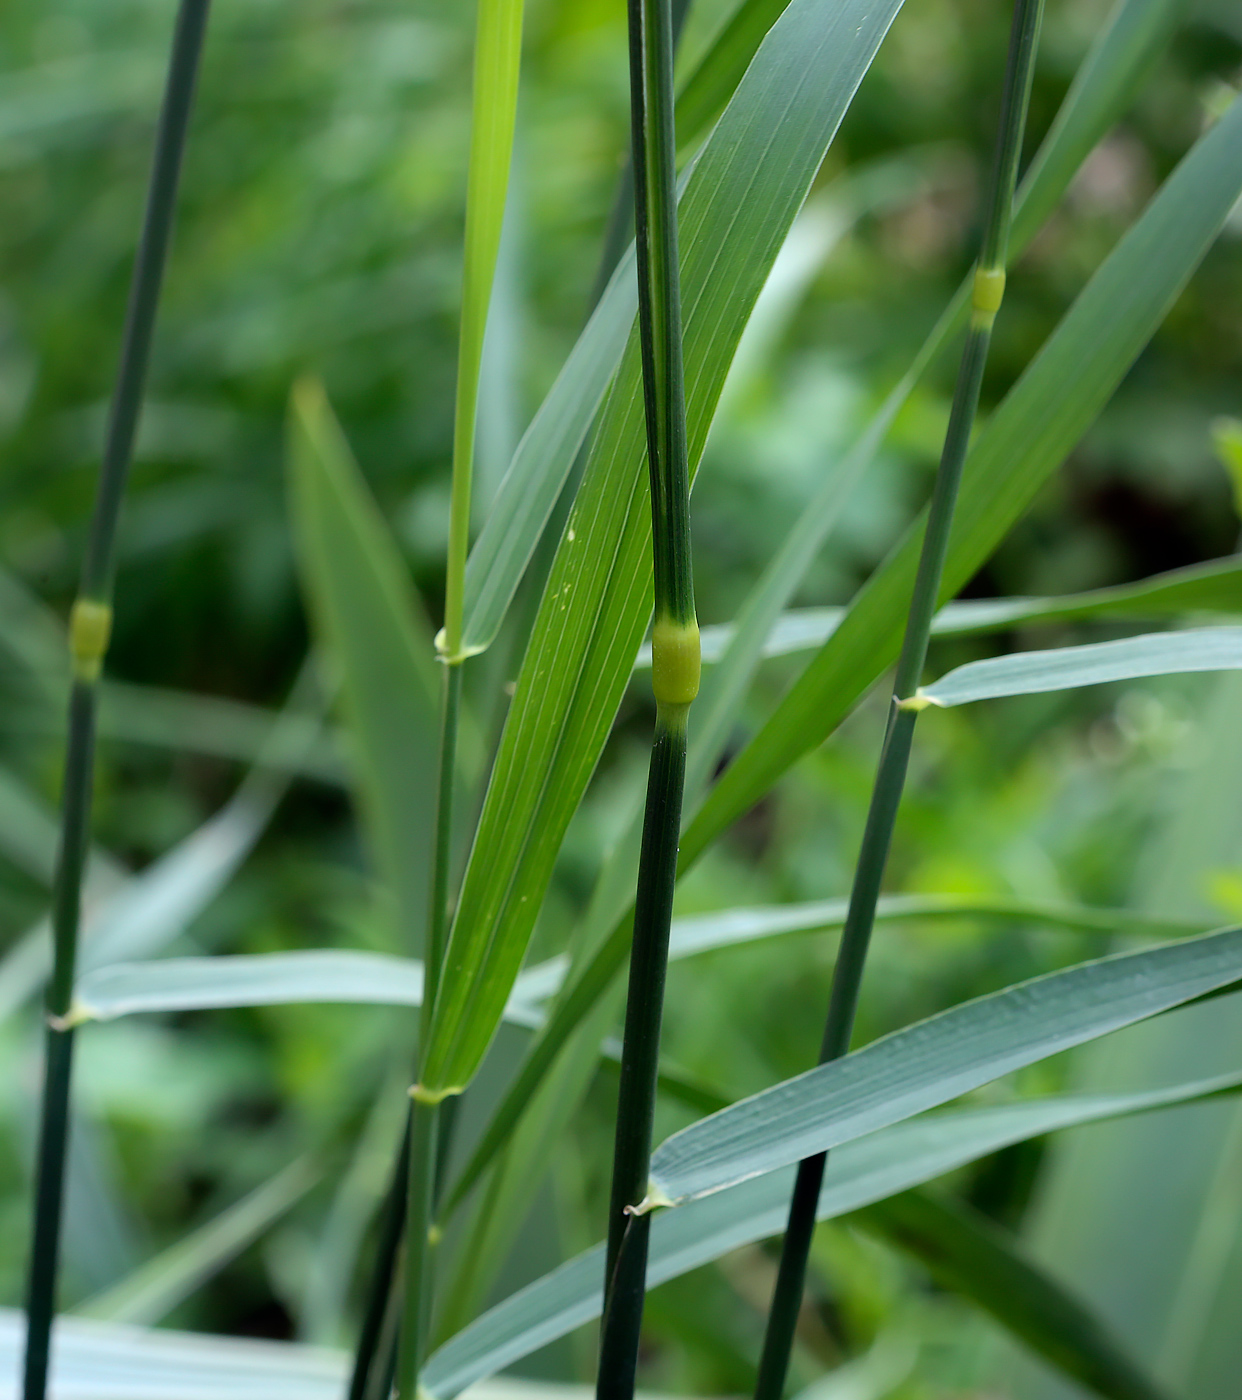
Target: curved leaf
{"type": "Point", "coordinates": [938, 1059]}
{"type": "Point", "coordinates": [863, 1171]}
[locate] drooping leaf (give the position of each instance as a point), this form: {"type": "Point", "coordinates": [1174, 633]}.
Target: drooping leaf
{"type": "Point", "coordinates": [937, 1060]}
{"type": "Point", "coordinates": [331, 975]}
{"type": "Point", "coordinates": [863, 1171]}
{"type": "Point", "coordinates": [969, 1254]}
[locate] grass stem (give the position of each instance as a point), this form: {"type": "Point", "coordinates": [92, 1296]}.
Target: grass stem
{"type": "Point", "coordinates": [90, 625]}
{"type": "Point", "coordinates": [675, 677]}
{"type": "Point", "coordinates": [895, 753]}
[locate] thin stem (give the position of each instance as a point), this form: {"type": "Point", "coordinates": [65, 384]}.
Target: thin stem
{"type": "Point", "coordinates": [416, 1316]}
{"type": "Point", "coordinates": [895, 754]}
{"type": "Point", "coordinates": [388, 1247]}
{"type": "Point", "coordinates": [90, 625]}
{"type": "Point", "coordinates": [441, 856]}
{"type": "Point", "coordinates": [675, 679]}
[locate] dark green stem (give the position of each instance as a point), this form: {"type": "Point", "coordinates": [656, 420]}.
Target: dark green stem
{"type": "Point", "coordinates": [144, 296]}
{"type": "Point", "coordinates": [659, 303]}
{"type": "Point", "coordinates": [895, 754]}
{"type": "Point", "coordinates": [388, 1246]}
{"type": "Point", "coordinates": [89, 630]}
{"type": "Point", "coordinates": [416, 1317]}
{"type": "Point", "coordinates": [675, 676]}
{"type": "Point", "coordinates": [626, 1265]}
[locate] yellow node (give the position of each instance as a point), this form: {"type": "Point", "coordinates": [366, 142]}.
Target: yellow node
{"type": "Point", "coordinates": [423, 1095]}
{"type": "Point", "coordinates": [916, 702]}
{"type": "Point", "coordinates": [987, 295]}
{"type": "Point", "coordinates": [90, 624]}
{"type": "Point", "coordinates": [676, 662]}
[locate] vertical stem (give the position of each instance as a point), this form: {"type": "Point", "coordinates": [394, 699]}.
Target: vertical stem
{"type": "Point", "coordinates": [388, 1247]}
{"type": "Point", "coordinates": [895, 753]}
{"type": "Point", "coordinates": [416, 1316]}
{"type": "Point", "coordinates": [90, 624]}
{"type": "Point", "coordinates": [675, 678]}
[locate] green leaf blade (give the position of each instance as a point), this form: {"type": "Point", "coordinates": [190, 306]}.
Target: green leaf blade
{"type": "Point", "coordinates": [1068, 668]}
{"type": "Point", "coordinates": [1025, 441]}
{"type": "Point", "coordinates": [738, 205]}
{"type": "Point", "coordinates": [937, 1060]}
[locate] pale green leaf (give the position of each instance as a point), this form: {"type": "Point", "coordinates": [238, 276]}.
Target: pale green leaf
{"type": "Point", "coordinates": [936, 1060]}
{"type": "Point", "coordinates": [882, 1164]}
{"type": "Point", "coordinates": [1212, 587]}
{"type": "Point", "coordinates": [1067, 668]}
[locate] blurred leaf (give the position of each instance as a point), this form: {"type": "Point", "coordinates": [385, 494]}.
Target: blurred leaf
{"type": "Point", "coordinates": [1066, 668]}
{"type": "Point", "coordinates": [879, 1165]}
{"type": "Point", "coordinates": [1212, 587]}
{"type": "Point", "coordinates": [967, 1253]}
{"type": "Point", "coordinates": [738, 205]}
{"type": "Point", "coordinates": [150, 909]}
{"type": "Point", "coordinates": [152, 1291]}
{"type": "Point", "coordinates": [1227, 439]}
{"type": "Point", "coordinates": [938, 1059]}
{"type": "Point", "coordinates": [366, 614]}
{"type": "Point", "coordinates": [257, 979]}
{"type": "Point", "coordinates": [1022, 444]}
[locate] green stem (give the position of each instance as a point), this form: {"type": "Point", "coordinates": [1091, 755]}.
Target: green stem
{"type": "Point", "coordinates": [675, 678]}
{"type": "Point", "coordinates": [388, 1247]}
{"type": "Point", "coordinates": [895, 754]}
{"type": "Point", "coordinates": [89, 629]}
{"type": "Point", "coordinates": [416, 1316]}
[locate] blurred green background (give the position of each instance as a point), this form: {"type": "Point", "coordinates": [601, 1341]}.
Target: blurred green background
{"type": "Point", "coordinates": [320, 227]}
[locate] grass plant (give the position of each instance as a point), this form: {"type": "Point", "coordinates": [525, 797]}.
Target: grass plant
{"type": "Point", "coordinates": [89, 628]}
{"type": "Point", "coordinates": [510, 973]}
{"type": "Point", "coordinates": [988, 289]}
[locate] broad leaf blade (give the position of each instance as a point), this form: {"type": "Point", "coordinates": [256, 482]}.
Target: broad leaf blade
{"type": "Point", "coordinates": [325, 976]}
{"type": "Point", "coordinates": [738, 205]}
{"type": "Point", "coordinates": [937, 1060]}
{"type": "Point", "coordinates": [1068, 668]}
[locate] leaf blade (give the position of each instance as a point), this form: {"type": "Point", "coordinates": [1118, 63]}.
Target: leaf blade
{"type": "Point", "coordinates": [1068, 668]}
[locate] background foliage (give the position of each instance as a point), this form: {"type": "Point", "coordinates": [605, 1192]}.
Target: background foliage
{"type": "Point", "coordinates": [320, 229]}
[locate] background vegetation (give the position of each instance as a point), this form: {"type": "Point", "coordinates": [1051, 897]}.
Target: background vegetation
{"type": "Point", "coordinates": [320, 229]}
